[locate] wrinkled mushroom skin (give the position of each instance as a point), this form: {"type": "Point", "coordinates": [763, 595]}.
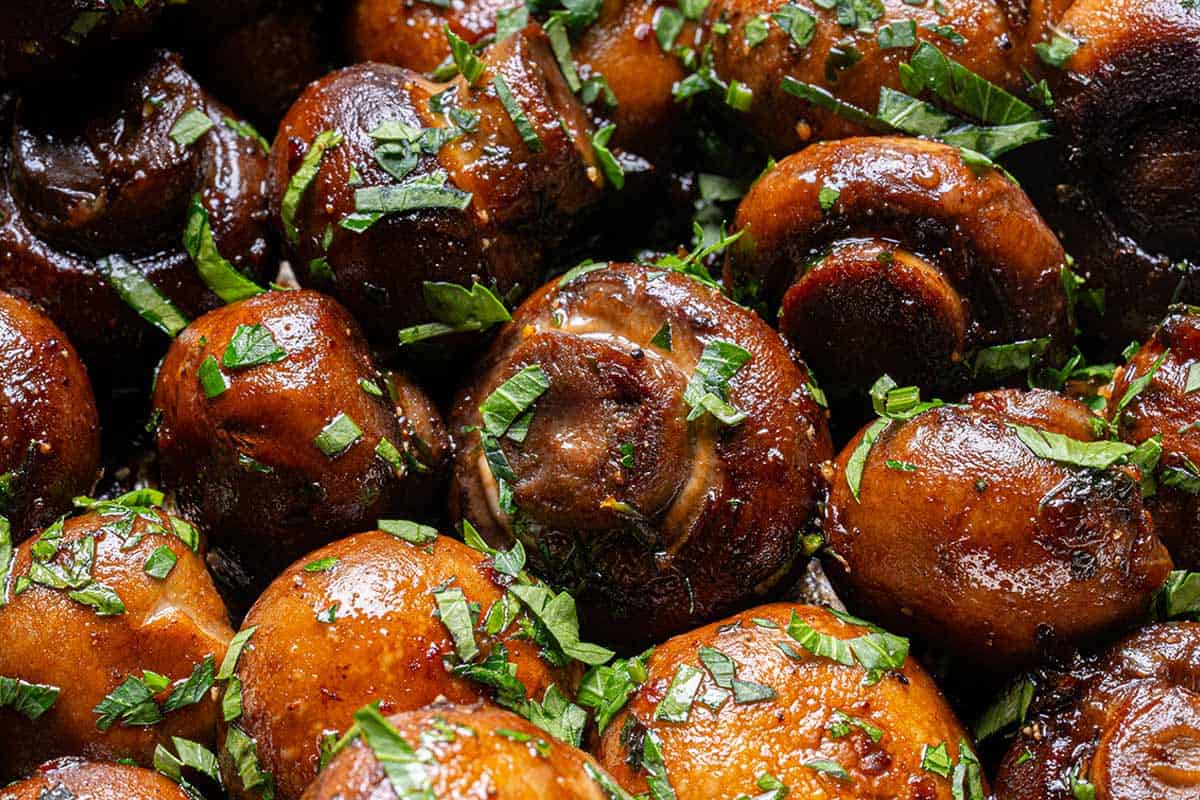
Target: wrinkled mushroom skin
{"type": "Point", "coordinates": [1127, 201]}
{"type": "Point", "coordinates": [412, 35]}
{"type": "Point", "coordinates": [169, 626]}
{"type": "Point", "coordinates": [93, 780]}
{"type": "Point", "coordinates": [49, 427]}
{"type": "Point", "coordinates": [994, 48]}
{"type": "Point", "coordinates": [245, 464]}
{"type": "Point", "coordinates": [1031, 555]}
{"type": "Point", "coordinates": [49, 40]}
{"type": "Point", "coordinates": [1126, 723]}
{"type": "Point", "coordinates": [97, 174]}
{"type": "Point", "coordinates": [1166, 408]}
{"type": "Point", "coordinates": [303, 677]}
{"type": "Point", "coordinates": [722, 753]}
{"type": "Point", "coordinates": [716, 510]}
{"type": "Point", "coordinates": [919, 261]}
{"type": "Point", "coordinates": [483, 758]}
{"type": "Point", "coordinates": [522, 200]}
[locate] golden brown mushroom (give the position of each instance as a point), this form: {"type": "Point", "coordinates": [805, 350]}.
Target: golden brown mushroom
{"type": "Point", "coordinates": [73, 778]}
{"type": "Point", "coordinates": [890, 255]}
{"type": "Point", "coordinates": [668, 465]}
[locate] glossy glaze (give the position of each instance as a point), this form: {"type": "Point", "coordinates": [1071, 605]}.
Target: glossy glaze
{"type": "Point", "coordinates": [1165, 408]}
{"type": "Point", "coordinates": [49, 428]}
{"type": "Point", "coordinates": [412, 35]}
{"type": "Point", "coordinates": [93, 780]}
{"type": "Point", "coordinates": [1128, 118]}
{"type": "Point", "coordinates": [95, 173]}
{"type": "Point", "coordinates": [303, 677]}
{"type": "Point", "coordinates": [717, 510]}
{"type": "Point", "coordinates": [1126, 723]}
{"type": "Point", "coordinates": [722, 753]}
{"type": "Point", "coordinates": [245, 464]}
{"type": "Point", "coordinates": [522, 203]}
{"type": "Point", "coordinates": [482, 759]}
{"type": "Point", "coordinates": [987, 551]}
{"type": "Point", "coordinates": [920, 260]}
{"type": "Point", "coordinates": [168, 626]}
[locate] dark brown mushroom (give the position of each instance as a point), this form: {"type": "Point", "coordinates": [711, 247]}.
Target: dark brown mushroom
{"type": "Point", "coordinates": [621, 485]}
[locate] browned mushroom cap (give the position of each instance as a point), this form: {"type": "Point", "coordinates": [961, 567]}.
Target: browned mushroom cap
{"type": "Point", "coordinates": [1125, 724]}
{"type": "Point", "coordinates": [412, 35]}
{"type": "Point", "coordinates": [49, 429]}
{"type": "Point", "coordinates": [820, 727]}
{"type": "Point", "coordinates": [1169, 407]}
{"type": "Point", "coordinates": [658, 513]}
{"type": "Point", "coordinates": [73, 778]}
{"type": "Point", "coordinates": [279, 434]}
{"type": "Point", "coordinates": [893, 255]}
{"type": "Point", "coordinates": [468, 751]}
{"type": "Point", "coordinates": [357, 622]}
{"type": "Point", "coordinates": [848, 61]}
{"type": "Point", "coordinates": [519, 195]}
{"type": "Point", "coordinates": [1128, 195]}
{"type": "Point", "coordinates": [52, 39]}
{"type": "Point", "coordinates": [962, 534]}
{"type": "Point", "coordinates": [110, 599]}
{"type": "Point", "coordinates": [96, 173]}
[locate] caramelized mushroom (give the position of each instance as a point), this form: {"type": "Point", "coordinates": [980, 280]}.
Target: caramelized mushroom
{"type": "Point", "coordinates": [618, 473]}
{"type": "Point", "coordinates": [358, 622]}
{"type": "Point", "coordinates": [278, 433]}
{"type": "Point", "coordinates": [895, 256]}
{"type": "Point", "coordinates": [1127, 199]}
{"type": "Point", "coordinates": [1124, 726]}
{"type": "Point", "coordinates": [484, 205]}
{"type": "Point", "coordinates": [1167, 406]}
{"type": "Point", "coordinates": [775, 697]}
{"type": "Point", "coordinates": [982, 529]}
{"type": "Point", "coordinates": [49, 429]}
{"type": "Point", "coordinates": [841, 55]}
{"type": "Point", "coordinates": [467, 751]}
{"type": "Point", "coordinates": [412, 35]}
{"type": "Point", "coordinates": [112, 635]}
{"type": "Point", "coordinates": [51, 39]}
{"type": "Point", "coordinates": [100, 181]}
{"type": "Point", "coordinates": [67, 778]}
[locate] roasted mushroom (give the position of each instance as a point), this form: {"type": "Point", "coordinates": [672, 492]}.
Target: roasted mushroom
{"type": "Point", "coordinates": [385, 181]}
{"type": "Point", "coordinates": [49, 428]}
{"type": "Point", "coordinates": [112, 635]}
{"type": "Point", "coordinates": [278, 433]}
{"type": "Point", "coordinates": [413, 35]}
{"type": "Point", "coordinates": [1127, 191]}
{"type": "Point", "coordinates": [999, 531]}
{"type": "Point", "coordinates": [653, 444]}
{"type": "Point", "coordinates": [374, 618]}
{"type": "Point", "coordinates": [823, 704]}
{"type": "Point", "coordinates": [1120, 727]}
{"type": "Point", "coordinates": [98, 187]}
{"type": "Point", "coordinates": [1154, 395]}
{"type": "Point", "coordinates": [890, 255]}
{"type": "Point", "coordinates": [464, 751]}
{"type": "Point", "coordinates": [792, 56]}
{"type": "Point", "coordinates": [67, 778]}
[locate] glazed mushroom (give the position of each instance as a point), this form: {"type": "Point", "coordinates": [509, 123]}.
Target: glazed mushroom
{"type": "Point", "coordinates": [889, 255]}
{"type": "Point", "coordinates": [654, 445]}
{"type": "Point", "coordinates": [49, 428]}
{"type": "Point", "coordinates": [413, 36]}
{"type": "Point", "coordinates": [376, 617]}
{"type": "Point", "coordinates": [781, 696]}
{"type": "Point", "coordinates": [385, 181]}
{"type": "Point", "coordinates": [999, 531]}
{"type": "Point", "coordinates": [764, 43]}
{"type": "Point", "coordinates": [278, 433]}
{"type": "Point", "coordinates": [1167, 407]}
{"type": "Point", "coordinates": [98, 188]}
{"type": "Point", "coordinates": [1127, 108]}
{"type": "Point", "coordinates": [93, 780]}
{"type": "Point", "coordinates": [1122, 726]}
{"type": "Point", "coordinates": [464, 751]}
{"type": "Point", "coordinates": [113, 633]}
